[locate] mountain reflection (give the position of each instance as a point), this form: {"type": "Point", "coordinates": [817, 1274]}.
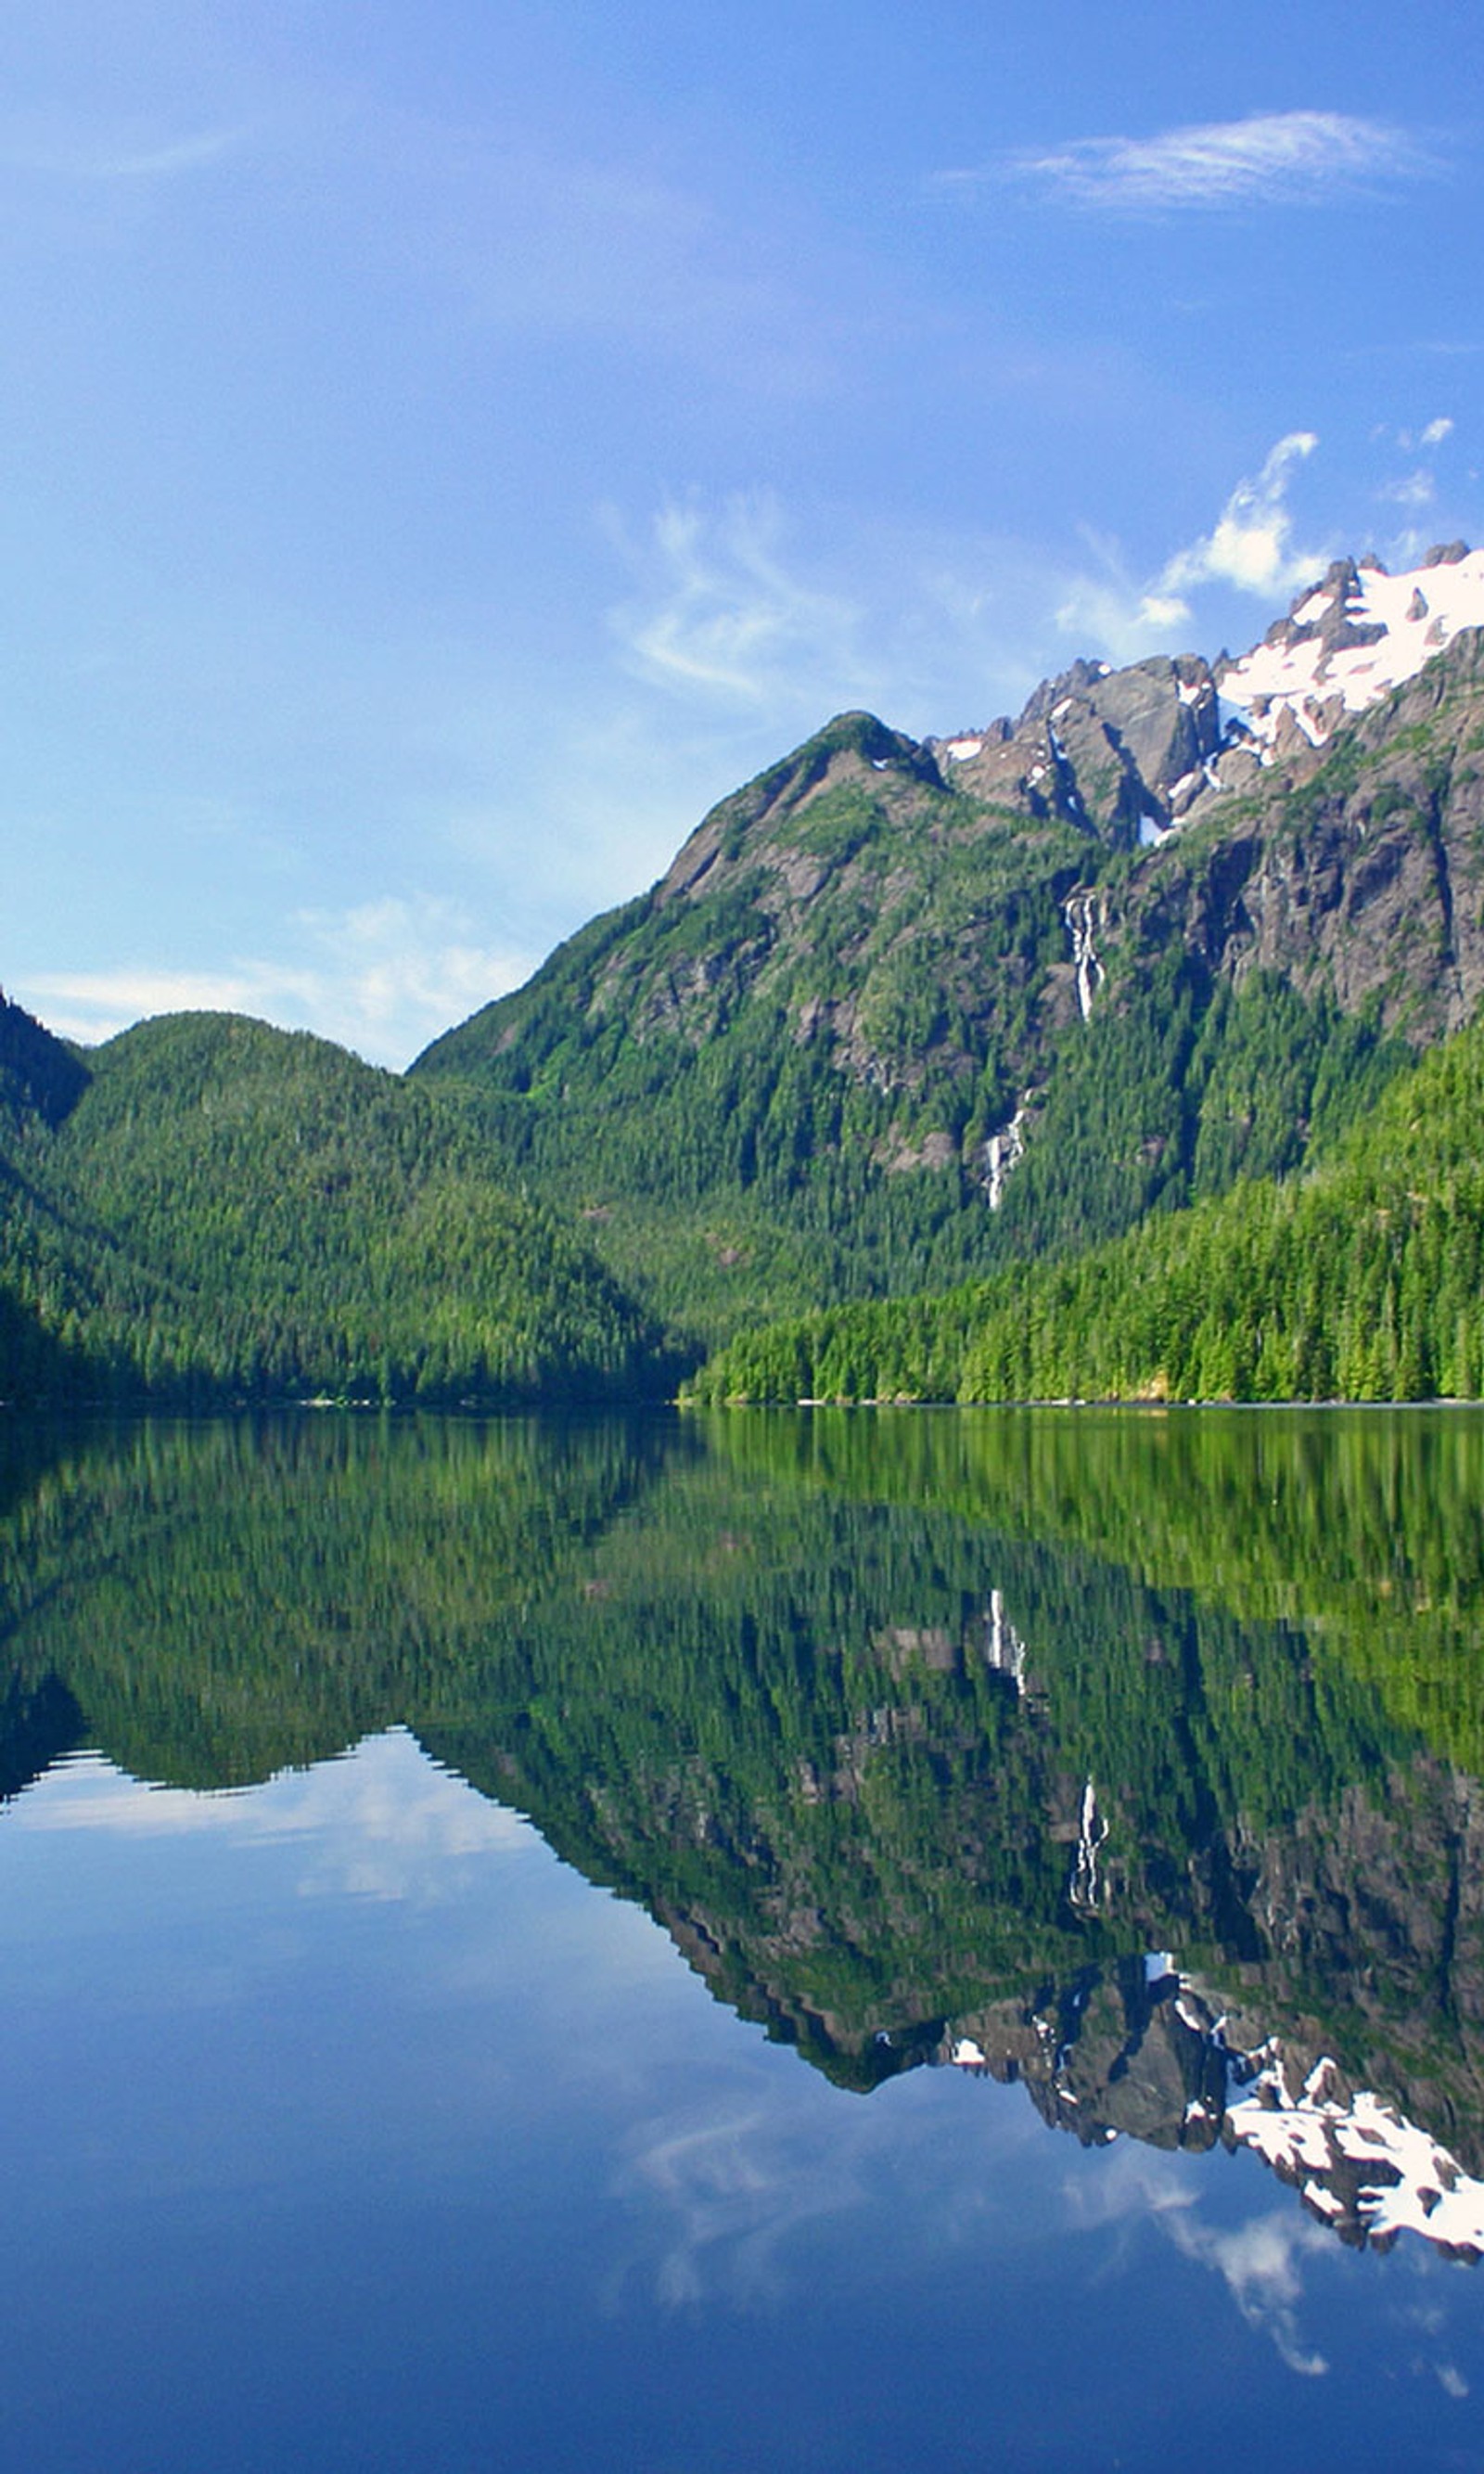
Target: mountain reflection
{"type": "Point", "coordinates": [1132, 1757]}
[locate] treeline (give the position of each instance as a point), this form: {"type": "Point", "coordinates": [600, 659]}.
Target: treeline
{"type": "Point", "coordinates": [214, 1209]}
{"type": "Point", "coordinates": [1362, 1279]}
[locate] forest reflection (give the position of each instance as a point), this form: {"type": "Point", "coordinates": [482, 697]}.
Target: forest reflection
{"type": "Point", "coordinates": [1134, 1755]}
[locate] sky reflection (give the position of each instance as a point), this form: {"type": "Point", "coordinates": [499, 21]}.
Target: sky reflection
{"type": "Point", "coordinates": [348, 2103]}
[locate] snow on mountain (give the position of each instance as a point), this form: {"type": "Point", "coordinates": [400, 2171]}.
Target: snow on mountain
{"type": "Point", "coordinates": [1129, 754]}
{"type": "Point", "coordinates": [1348, 642]}
{"type": "Point", "coordinates": [1360, 2160]}
{"type": "Point", "coordinates": [1164, 2070]}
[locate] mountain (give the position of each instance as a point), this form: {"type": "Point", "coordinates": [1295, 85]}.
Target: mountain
{"type": "Point", "coordinates": [1132, 753]}
{"type": "Point", "coordinates": [206, 1208]}
{"type": "Point", "coordinates": [900, 1013]}
{"type": "Point", "coordinates": [1363, 1280]}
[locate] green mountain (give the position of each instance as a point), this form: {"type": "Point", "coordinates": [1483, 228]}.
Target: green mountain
{"type": "Point", "coordinates": [903, 1013]}
{"type": "Point", "coordinates": [207, 1207]}
{"type": "Point", "coordinates": [900, 1018]}
{"type": "Point", "coordinates": [1361, 1279]}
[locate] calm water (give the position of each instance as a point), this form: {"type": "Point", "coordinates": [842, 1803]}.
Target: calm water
{"type": "Point", "coordinates": [809, 1941]}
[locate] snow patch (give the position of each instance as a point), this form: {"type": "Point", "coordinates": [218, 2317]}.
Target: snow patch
{"type": "Point", "coordinates": [1419, 612]}
{"type": "Point", "coordinates": [1406, 2184]}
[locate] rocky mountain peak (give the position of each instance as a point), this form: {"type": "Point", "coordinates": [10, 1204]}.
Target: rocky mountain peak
{"type": "Point", "coordinates": [855, 749]}
{"type": "Point", "coordinates": [1120, 753]}
{"type": "Point", "coordinates": [1346, 642]}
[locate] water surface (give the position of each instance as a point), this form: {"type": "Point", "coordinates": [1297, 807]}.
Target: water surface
{"type": "Point", "coordinates": [791, 1940]}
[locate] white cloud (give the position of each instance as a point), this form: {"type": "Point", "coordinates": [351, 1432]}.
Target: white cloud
{"type": "Point", "coordinates": [379, 1821]}
{"type": "Point", "coordinates": [383, 978]}
{"type": "Point", "coordinates": [721, 614]}
{"type": "Point", "coordinates": [394, 966]}
{"type": "Point", "coordinates": [1414, 490]}
{"type": "Point", "coordinates": [1258, 2264]}
{"type": "Point", "coordinates": [1272, 158]}
{"type": "Point", "coordinates": [1431, 434]}
{"type": "Point", "coordinates": [1250, 549]}
{"type": "Point", "coordinates": [1112, 612]}
{"type": "Point", "coordinates": [1251, 544]}
{"type": "Point", "coordinates": [94, 1005]}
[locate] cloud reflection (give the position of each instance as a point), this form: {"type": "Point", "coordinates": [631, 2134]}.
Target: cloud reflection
{"type": "Point", "coordinates": [727, 2196]}
{"type": "Point", "coordinates": [1258, 2261]}
{"type": "Point", "coordinates": [382, 1820]}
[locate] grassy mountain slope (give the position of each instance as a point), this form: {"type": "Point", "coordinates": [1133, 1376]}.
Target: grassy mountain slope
{"type": "Point", "coordinates": [875, 1031]}
{"type": "Point", "coordinates": [205, 1206]}
{"type": "Point", "coordinates": [1362, 1279]}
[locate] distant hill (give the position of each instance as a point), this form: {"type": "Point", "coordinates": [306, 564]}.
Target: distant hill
{"type": "Point", "coordinates": [206, 1208]}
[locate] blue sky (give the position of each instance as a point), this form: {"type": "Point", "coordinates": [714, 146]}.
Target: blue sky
{"type": "Point", "coordinates": [448, 447]}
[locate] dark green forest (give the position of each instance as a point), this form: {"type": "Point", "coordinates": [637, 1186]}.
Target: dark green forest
{"type": "Point", "coordinates": [1362, 1279]}
{"type": "Point", "coordinates": [204, 1208]}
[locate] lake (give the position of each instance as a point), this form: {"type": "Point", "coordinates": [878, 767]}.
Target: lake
{"type": "Point", "coordinates": [790, 1940]}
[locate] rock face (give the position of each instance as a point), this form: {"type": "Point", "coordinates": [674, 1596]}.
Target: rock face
{"type": "Point", "coordinates": [1361, 875]}
{"type": "Point", "coordinates": [1122, 753]}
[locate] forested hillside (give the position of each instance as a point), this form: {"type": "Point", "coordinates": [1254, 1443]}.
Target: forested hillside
{"type": "Point", "coordinates": [1362, 1279]}
{"type": "Point", "coordinates": [889, 1019]}
{"type": "Point", "coordinates": [207, 1208]}
{"type": "Point", "coordinates": [900, 1017]}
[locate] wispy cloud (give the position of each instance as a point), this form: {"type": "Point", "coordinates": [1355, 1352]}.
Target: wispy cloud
{"type": "Point", "coordinates": [1272, 158]}
{"type": "Point", "coordinates": [721, 614]}
{"type": "Point", "coordinates": [113, 157]}
{"type": "Point", "coordinates": [384, 978]}
{"type": "Point", "coordinates": [726, 2198]}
